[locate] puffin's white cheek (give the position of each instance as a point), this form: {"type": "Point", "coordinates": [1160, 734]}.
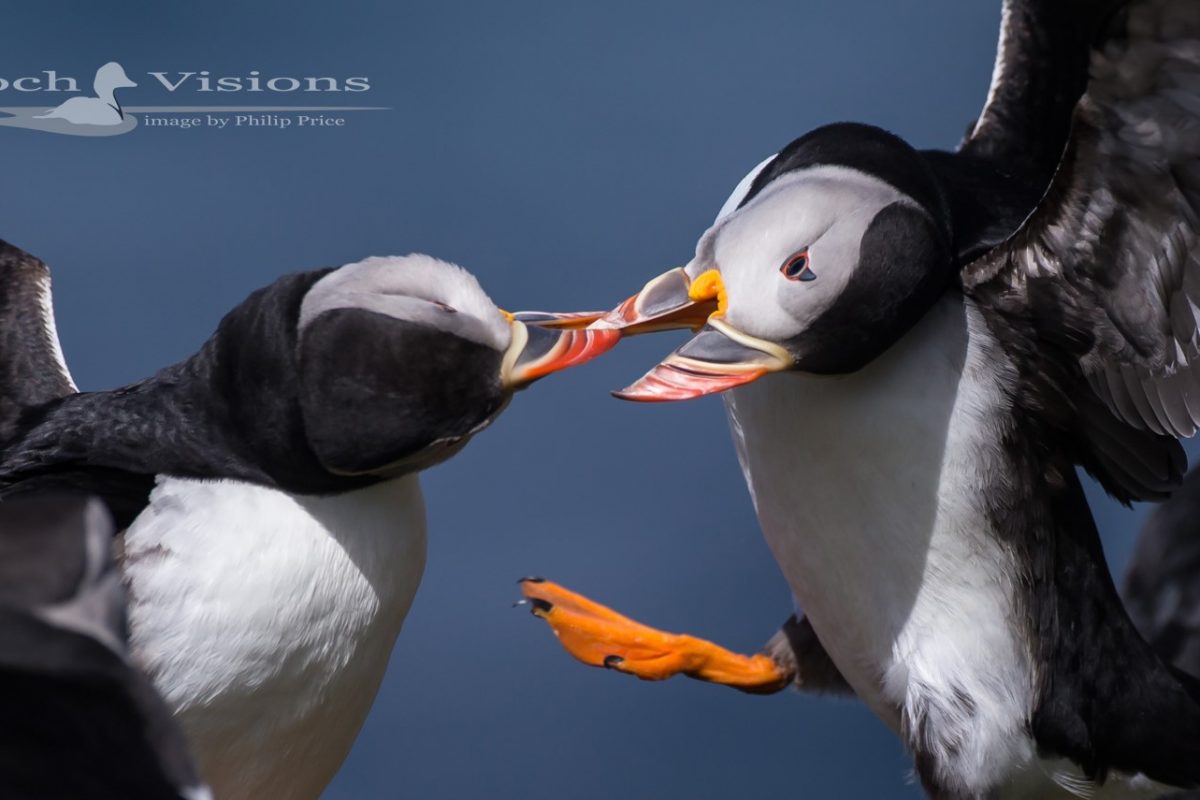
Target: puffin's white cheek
{"type": "Point", "coordinates": [769, 306]}
{"type": "Point", "coordinates": [832, 261]}
{"type": "Point", "coordinates": [761, 308]}
{"type": "Point", "coordinates": [805, 303]}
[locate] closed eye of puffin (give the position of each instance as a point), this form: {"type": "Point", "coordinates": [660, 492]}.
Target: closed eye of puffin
{"type": "Point", "coordinates": [407, 293]}
{"type": "Point", "coordinates": [796, 267]}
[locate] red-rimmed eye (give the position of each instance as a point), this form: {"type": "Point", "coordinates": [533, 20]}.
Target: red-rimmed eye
{"type": "Point", "coordinates": [796, 268]}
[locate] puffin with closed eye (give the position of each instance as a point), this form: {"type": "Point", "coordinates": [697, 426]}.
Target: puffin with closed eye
{"type": "Point", "coordinates": [916, 350]}
{"type": "Point", "coordinates": [267, 487]}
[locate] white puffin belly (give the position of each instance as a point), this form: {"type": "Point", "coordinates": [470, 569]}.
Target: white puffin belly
{"type": "Point", "coordinates": [869, 489]}
{"type": "Point", "coordinates": [267, 619]}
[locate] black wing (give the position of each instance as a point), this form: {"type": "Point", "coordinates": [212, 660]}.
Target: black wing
{"type": "Point", "coordinates": [32, 370]}
{"type": "Point", "coordinates": [1100, 286]}
{"type": "Point", "coordinates": [33, 374]}
{"type": "Point", "coordinates": [1041, 71]}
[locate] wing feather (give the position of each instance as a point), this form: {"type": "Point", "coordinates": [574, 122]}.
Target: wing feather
{"type": "Point", "coordinates": [1107, 268]}
{"type": "Point", "coordinates": [1190, 390]}
{"type": "Point", "coordinates": [32, 368]}
{"type": "Point", "coordinates": [1040, 70]}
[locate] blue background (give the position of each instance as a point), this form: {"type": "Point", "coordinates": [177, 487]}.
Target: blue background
{"type": "Point", "coordinates": [565, 154]}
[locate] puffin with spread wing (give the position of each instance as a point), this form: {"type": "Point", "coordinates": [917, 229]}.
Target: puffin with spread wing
{"type": "Point", "coordinates": [267, 488]}
{"type": "Point", "coordinates": [916, 349]}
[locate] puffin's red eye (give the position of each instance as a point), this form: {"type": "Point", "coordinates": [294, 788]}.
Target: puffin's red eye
{"type": "Point", "coordinates": [796, 268]}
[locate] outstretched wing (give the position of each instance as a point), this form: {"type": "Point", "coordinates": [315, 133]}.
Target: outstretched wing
{"type": "Point", "coordinates": [1105, 273]}
{"type": "Point", "coordinates": [1041, 70]}
{"type": "Point", "coordinates": [32, 370]}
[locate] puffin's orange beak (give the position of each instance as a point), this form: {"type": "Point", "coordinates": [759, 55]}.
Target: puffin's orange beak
{"type": "Point", "coordinates": [543, 343]}
{"type": "Point", "coordinates": [558, 320]}
{"type": "Point", "coordinates": [670, 301]}
{"type": "Point", "coordinates": [717, 358]}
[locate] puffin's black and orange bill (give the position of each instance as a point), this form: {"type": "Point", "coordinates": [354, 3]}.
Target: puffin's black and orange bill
{"type": "Point", "coordinates": [669, 302]}
{"type": "Point", "coordinates": [559, 320]}
{"type": "Point", "coordinates": [543, 343]}
{"type": "Point", "coordinates": [717, 358]}
{"type": "Point", "coordinates": [547, 341]}
{"type": "Point", "coordinates": [600, 637]}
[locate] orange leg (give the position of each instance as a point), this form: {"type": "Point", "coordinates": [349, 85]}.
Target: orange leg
{"type": "Point", "coordinates": [600, 637]}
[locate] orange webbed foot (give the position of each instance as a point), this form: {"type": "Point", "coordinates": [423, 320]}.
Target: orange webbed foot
{"type": "Point", "coordinates": [600, 637]}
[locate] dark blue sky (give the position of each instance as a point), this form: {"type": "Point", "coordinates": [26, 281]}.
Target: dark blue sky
{"type": "Point", "coordinates": [564, 153]}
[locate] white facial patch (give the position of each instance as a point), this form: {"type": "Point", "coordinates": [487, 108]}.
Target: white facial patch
{"type": "Point", "coordinates": [414, 288]}
{"type": "Point", "coordinates": [824, 210]}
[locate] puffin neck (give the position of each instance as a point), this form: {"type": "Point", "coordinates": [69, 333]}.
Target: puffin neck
{"type": "Point", "coordinates": [985, 205]}
{"type": "Point", "coordinates": [247, 377]}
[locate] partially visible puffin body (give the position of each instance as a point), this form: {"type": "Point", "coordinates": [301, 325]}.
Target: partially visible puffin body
{"type": "Point", "coordinates": [919, 348]}
{"type": "Point", "coordinates": [79, 719]}
{"type": "Point", "coordinates": [274, 526]}
{"type": "Point", "coordinates": [1162, 584]}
